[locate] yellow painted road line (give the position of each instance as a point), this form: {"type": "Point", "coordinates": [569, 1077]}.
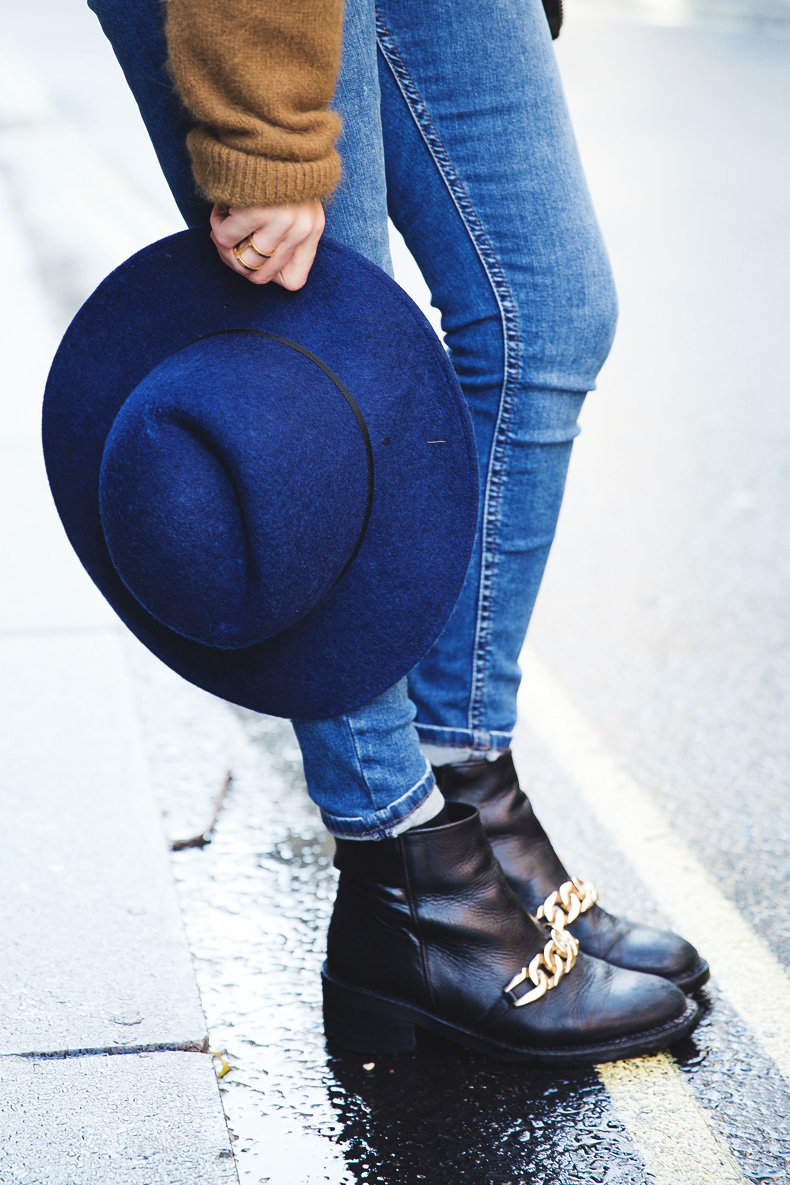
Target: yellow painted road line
{"type": "Point", "coordinates": [744, 967]}
{"type": "Point", "coordinates": [667, 1124]}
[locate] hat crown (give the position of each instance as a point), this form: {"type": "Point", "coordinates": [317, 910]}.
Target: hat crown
{"type": "Point", "coordinates": [234, 488]}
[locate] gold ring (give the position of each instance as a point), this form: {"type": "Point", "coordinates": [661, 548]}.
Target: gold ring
{"type": "Point", "coordinates": [241, 247]}
{"type": "Point", "coordinates": [250, 243]}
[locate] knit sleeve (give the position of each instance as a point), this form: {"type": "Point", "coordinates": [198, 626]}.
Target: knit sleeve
{"type": "Point", "coordinates": [258, 77]}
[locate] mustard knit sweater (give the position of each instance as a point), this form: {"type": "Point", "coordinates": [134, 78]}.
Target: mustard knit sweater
{"type": "Point", "coordinates": [258, 76]}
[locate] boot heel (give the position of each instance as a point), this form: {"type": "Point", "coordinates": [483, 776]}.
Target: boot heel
{"type": "Point", "coordinates": [353, 1020]}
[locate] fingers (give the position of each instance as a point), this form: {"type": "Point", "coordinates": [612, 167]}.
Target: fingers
{"type": "Point", "coordinates": [231, 226]}
{"type": "Point", "coordinates": [294, 273]}
{"type": "Point", "coordinates": [264, 243]}
{"type": "Point", "coordinates": [263, 261]}
{"type": "Point", "coordinates": [258, 268]}
{"type": "Point", "coordinates": [249, 255]}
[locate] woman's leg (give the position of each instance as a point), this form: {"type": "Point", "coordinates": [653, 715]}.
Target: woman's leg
{"type": "Point", "coordinates": [365, 769]}
{"type": "Point", "coordinates": [485, 184]}
{"type": "Point", "coordinates": [484, 181]}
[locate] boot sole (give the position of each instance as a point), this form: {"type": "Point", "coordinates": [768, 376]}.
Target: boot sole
{"type": "Point", "coordinates": [362, 1022]}
{"type": "Point", "coordinates": [693, 980]}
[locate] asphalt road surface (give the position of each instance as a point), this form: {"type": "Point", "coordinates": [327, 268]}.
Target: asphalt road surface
{"type": "Point", "coordinates": [654, 732]}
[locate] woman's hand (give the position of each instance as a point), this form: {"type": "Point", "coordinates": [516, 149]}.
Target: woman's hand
{"type": "Point", "coordinates": [288, 234]}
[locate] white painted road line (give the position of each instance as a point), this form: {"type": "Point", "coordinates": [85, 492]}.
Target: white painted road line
{"type": "Point", "coordinates": [744, 967]}
{"type": "Point", "coordinates": [667, 1124]}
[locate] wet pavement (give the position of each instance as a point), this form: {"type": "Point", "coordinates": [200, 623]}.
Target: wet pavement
{"type": "Point", "coordinates": [256, 902]}
{"type": "Point", "coordinates": [678, 657]}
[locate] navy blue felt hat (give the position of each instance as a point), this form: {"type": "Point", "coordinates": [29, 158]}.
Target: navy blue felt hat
{"type": "Point", "coordinates": [276, 491]}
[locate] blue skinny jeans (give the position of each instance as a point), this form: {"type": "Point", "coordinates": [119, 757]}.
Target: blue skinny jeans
{"type": "Point", "coordinates": [454, 123]}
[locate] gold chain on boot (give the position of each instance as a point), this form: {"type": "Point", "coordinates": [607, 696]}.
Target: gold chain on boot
{"type": "Point", "coordinates": [564, 906]}
{"type": "Point", "coordinates": [557, 958]}
{"type": "Point", "coordinates": [559, 954]}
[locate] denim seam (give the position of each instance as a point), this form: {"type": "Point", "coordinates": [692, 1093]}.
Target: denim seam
{"type": "Point", "coordinates": [432, 734]}
{"type": "Point", "coordinates": [358, 756]}
{"type": "Point", "coordinates": [506, 304]}
{"type": "Point", "coordinates": [493, 732]}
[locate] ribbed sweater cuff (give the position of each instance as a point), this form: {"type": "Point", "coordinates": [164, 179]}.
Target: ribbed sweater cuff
{"type": "Point", "coordinates": [240, 179]}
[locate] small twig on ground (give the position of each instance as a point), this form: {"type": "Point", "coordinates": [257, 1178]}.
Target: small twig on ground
{"type": "Point", "coordinates": [200, 841]}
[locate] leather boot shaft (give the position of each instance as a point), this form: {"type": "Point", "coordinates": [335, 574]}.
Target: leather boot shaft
{"type": "Point", "coordinates": [532, 867]}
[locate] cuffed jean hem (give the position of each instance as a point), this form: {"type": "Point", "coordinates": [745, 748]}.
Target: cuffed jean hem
{"type": "Point", "coordinates": [474, 741]}
{"type": "Point", "coordinates": [419, 804]}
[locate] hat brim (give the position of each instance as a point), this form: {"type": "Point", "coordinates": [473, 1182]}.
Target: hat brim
{"type": "Point", "coordinates": [385, 612]}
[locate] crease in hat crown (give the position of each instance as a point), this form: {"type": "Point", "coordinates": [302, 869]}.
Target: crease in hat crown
{"type": "Point", "coordinates": [233, 488]}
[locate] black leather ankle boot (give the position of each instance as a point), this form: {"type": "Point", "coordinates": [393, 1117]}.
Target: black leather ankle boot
{"type": "Point", "coordinates": [426, 934]}
{"type": "Point", "coordinates": [539, 879]}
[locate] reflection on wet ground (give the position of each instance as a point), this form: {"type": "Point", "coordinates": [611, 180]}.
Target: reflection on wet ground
{"type": "Point", "coordinates": [445, 1116]}
{"type": "Point", "coordinates": [256, 902]}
